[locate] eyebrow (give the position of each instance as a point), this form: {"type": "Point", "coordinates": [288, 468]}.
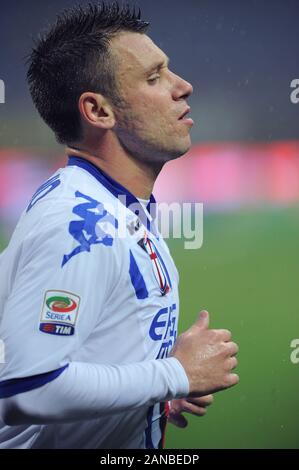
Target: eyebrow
{"type": "Point", "coordinates": [158, 65]}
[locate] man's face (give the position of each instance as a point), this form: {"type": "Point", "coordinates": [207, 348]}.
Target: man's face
{"type": "Point", "coordinates": [149, 124]}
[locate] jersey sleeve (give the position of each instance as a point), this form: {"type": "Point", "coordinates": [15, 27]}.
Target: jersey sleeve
{"type": "Point", "coordinates": [60, 284]}
{"type": "Point", "coordinates": [85, 391]}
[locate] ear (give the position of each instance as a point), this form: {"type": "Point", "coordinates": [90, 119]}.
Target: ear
{"type": "Point", "coordinates": [96, 110]}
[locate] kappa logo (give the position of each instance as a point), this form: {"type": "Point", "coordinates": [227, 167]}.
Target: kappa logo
{"type": "Point", "coordinates": [59, 313]}
{"type": "Point", "coordinates": [89, 229]}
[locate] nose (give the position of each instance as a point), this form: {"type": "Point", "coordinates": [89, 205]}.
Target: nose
{"type": "Point", "coordinates": [182, 89]}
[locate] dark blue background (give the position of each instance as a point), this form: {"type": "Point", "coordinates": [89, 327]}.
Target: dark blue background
{"type": "Point", "coordinates": [240, 56]}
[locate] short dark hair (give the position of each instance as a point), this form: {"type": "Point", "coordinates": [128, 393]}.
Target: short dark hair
{"type": "Point", "coordinates": [74, 57]}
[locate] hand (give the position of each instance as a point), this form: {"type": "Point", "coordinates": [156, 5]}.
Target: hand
{"type": "Point", "coordinates": [208, 357]}
{"type": "Point", "coordinates": [195, 406]}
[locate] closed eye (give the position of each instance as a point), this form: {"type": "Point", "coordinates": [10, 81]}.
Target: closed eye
{"type": "Point", "coordinates": [154, 79]}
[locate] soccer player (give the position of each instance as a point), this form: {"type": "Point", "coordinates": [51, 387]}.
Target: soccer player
{"type": "Point", "coordinates": [89, 292]}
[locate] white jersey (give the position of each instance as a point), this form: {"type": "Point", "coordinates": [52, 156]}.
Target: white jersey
{"type": "Point", "coordinates": [88, 315]}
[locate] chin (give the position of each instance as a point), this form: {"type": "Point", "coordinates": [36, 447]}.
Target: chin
{"type": "Point", "coordinates": [179, 151]}
{"type": "Point", "coordinates": [164, 154]}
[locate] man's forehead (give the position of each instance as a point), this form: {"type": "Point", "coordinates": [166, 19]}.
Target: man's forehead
{"type": "Point", "coordinates": [136, 51]}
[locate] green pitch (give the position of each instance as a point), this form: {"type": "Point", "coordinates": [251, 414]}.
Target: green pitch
{"type": "Point", "coordinates": [247, 276]}
{"type": "Point", "coordinates": [2, 242]}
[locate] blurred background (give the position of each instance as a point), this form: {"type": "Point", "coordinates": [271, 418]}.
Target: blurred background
{"type": "Point", "coordinates": [244, 166]}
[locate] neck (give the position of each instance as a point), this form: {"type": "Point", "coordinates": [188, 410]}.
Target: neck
{"type": "Point", "coordinates": [134, 175]}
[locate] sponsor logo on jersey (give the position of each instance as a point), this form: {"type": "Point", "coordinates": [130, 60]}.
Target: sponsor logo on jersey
{"type": "Point", "coordinates": [159, 268]}
{"type": "Point", "coordinates": [57, 329]}
{"type": "Point", "coordinates": [163, 330]}
{"type": "Point", "coordinates": [59, 313]}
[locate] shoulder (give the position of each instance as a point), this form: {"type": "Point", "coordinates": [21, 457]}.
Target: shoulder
{"type": "Point", "coordinates": [71, 213]}
{"type": "Point", "coordinates": [70, 192]}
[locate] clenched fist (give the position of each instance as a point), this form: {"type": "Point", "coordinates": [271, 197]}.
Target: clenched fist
{"type": "Point", "coordinates": [208, 357]}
